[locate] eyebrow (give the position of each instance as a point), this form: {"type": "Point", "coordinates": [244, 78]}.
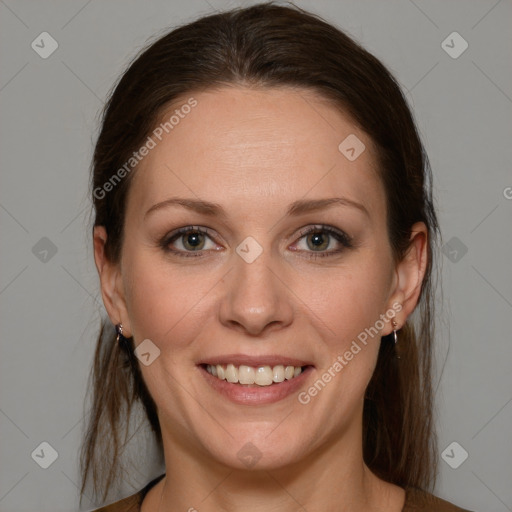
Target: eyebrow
{"type": "Point", "coordinates": [296, 208]}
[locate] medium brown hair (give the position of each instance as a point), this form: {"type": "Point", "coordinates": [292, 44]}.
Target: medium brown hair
{"type": "Point", "coordinates": [268, 45]}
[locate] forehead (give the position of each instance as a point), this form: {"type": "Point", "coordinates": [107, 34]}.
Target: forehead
{"type": "Point", "coordinates": [240, 146]}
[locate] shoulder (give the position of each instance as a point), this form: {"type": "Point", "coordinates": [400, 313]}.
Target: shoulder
{"type": "Point", "coordinates": [131, 503]}
{"type": "Point", "coordinates": [417, 500]}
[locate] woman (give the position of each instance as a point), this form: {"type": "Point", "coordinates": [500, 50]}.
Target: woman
{"type": "Point", "coordinates": [264, 231]}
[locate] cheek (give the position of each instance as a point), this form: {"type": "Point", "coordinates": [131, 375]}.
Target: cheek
{"type": "Point", "coordinates": [347, 300]}
{"type": "Point", "coordinates": [349, 303]}
{"type": "Point", "coordinates": [164, 301]}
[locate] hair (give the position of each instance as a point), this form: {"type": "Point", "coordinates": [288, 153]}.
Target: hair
{"type": "Point", "coordinates": [268, 45]}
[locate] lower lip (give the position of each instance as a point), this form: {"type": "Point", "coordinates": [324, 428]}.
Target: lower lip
{"type": "Point", "coordinates": [256, 395]}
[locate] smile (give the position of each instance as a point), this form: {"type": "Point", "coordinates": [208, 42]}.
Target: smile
{"type": "Point", "coordinates": [255, 379]}
{"type": "Point", "coordinates": [254, 376]}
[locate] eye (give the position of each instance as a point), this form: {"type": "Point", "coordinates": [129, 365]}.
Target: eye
{"type": "Point", "coordinates": [323, 241]}
{"type": "Point", "coordinates": [320, 240]}
{"type": "Point", "coordinates": [190, 239]}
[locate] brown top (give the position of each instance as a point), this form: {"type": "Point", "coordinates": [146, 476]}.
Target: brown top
{"type": "Point", "coordinates": [415, 501]}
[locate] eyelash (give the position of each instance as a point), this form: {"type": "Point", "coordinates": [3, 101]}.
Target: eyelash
{"type": "Point", "coordinates": [338, 235]}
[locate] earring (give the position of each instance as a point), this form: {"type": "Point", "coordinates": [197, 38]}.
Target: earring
{"type": "Point", "coordinates": [395, 336]}
{"type": "Point", "coordinates": [119, 330]}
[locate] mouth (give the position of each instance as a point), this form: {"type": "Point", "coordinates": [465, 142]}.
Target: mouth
{"type": "Point", "coordinates": [254, 376]}
{"type": "Point", "coordinates": [261, 383]}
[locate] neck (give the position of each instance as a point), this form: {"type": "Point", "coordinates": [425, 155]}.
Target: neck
{"type": "Point", "coordinates": [334, 476]}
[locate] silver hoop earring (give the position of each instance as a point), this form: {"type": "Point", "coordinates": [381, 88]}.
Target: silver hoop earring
{"type": "Point", "coordinates": [119, 330]}
{"type": "Point", "coordinates": [395, 335]}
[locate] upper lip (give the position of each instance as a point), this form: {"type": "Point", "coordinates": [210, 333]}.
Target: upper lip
{"type": "Point", "coordinates": [256, 361]}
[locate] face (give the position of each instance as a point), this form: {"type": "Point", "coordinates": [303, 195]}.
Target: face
{"type": "Point", "coordinates": [233, 255]}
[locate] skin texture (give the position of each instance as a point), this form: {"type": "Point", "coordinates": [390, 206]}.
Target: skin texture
{"type": "Point", "coordinates": [255, 151]}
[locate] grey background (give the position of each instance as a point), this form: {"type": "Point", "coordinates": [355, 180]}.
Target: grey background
{"type": "Point", "coordinates": [50, 309]}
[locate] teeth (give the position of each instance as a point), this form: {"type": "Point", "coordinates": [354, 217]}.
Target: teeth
{"type": "Point", "coordinates": [249, 375]}
{"type": "Point", "coordinates": [231, 373]}
{"type": "Point", "coordinates": [278, 372]}
{"type": "Point", "coordinates": [246, 374]}
{"type": "Point", "coordinates": [263, 376]}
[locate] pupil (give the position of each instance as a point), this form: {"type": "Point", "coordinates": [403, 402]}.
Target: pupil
{"type": "Point", "coordinates": [317, 240]}
{"type": "Point", "coordinates": [194, 240]}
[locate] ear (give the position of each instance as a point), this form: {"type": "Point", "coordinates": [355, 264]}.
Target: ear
{"type": "Point", "coordinates": [111, 282]}
{"type": "Point", "coordinates": [409, 275]}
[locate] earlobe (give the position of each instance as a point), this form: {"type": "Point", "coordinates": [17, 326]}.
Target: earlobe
{"type": "Point", "coordinates": [410, 273]}
{"type": "Point", "coordinates": [110, 281]}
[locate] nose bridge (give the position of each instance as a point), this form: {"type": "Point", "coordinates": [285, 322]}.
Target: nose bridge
{"type": "Point", "coordinates": [255, 297]}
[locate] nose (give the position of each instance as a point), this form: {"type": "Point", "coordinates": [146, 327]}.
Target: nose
{"type": "Point", "coordinates": [256, 300]}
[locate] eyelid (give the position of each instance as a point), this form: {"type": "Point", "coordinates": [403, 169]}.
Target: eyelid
{"type": "Point", "coordinates": [340, 236]}
{"type": "Point", "coordinates": [177, 233]}
{"type": "Point", "coordinates": [327, 229]}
